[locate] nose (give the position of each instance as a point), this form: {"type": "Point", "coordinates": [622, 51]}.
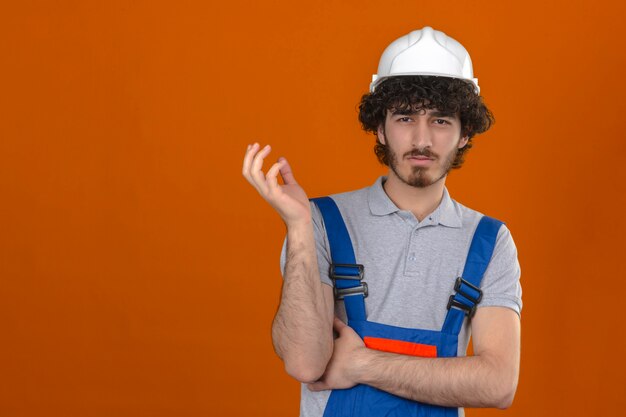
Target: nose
{"type": "Point", "coordinates": [422, 136]}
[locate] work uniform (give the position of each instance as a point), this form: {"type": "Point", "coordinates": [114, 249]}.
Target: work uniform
{"type": "Point", "coordinates": [411, 267]}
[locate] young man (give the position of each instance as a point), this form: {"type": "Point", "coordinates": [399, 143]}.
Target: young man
{"type": "Point", "coordinates": [394, 261]}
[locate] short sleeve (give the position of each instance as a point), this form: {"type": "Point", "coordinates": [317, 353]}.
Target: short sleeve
{"type": "Point", "coordinates": [321, 244]}
{"type": "Point", "coordinates": [501, 282]}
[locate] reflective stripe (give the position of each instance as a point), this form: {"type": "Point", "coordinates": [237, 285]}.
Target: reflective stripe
{"type": "Point", "coordinates": [399, 346]}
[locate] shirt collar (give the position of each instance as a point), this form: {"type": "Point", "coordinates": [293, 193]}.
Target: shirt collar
{"type": "Point", "coordinates": [381, 205]}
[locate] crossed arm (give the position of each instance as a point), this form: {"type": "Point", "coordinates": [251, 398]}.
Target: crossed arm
{"type": "Point", "coordinates": [302, 328]}
{"type": "Point", "coordinates": [486, 379]}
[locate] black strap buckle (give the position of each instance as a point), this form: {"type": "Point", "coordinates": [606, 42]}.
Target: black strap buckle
{"type": "Point", "coordinates": [340, 293]}
{"type": "Point", "coordinates": [335, 274]}
{"type": "Point", "coordinates": [458, 287]}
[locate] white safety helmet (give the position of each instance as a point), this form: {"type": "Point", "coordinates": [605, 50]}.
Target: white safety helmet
{"type": "Point", "coordinates": [425, 52]}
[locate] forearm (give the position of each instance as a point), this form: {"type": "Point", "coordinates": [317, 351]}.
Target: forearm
{"type": "Point", "coordinates": [302, 328]}
{"type": "Point", "coordinates": [473, 381]}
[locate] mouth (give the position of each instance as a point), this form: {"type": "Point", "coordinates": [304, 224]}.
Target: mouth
{"type": "Point", "coordinates": [420, 160]}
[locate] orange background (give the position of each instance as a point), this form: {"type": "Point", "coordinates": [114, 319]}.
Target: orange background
{"type": "Point", "coordinates": [139, 271]}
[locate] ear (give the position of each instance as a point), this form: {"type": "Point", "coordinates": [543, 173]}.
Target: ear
{"type": "Point", "coordinates": [463, 142]}
{"type": "Point", "coordinates": [381, 134]}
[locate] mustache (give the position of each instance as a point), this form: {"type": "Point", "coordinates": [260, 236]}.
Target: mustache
{"type": "Point", "coordinates": [421, 152]}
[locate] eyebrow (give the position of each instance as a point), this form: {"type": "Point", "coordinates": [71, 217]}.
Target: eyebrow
{"type": "Point", "coordinates": [403, 112]}
{"type": "Point", "coordinates": [435, 113]}
{"type": "Point", "coordinates": [438, 113]}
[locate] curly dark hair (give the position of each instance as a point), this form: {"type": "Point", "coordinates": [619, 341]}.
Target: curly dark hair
{"type": "Point", "coordinates": [417, 92]}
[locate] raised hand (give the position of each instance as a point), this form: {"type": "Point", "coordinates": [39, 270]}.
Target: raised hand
{"type": "Point", "coordinates": [288, 199]}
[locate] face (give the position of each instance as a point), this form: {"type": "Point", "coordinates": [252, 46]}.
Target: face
{"type": "Point", "coordinates": [422, 145]}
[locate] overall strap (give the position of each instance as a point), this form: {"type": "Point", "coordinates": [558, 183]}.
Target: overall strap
{"type": "Point", "coordinates": [346, 274]}
{"type": "Point", "coordinates": [467, 287]}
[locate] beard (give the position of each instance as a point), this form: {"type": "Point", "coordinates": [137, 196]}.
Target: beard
{"type": "Point", "coordinates": [420, 177]}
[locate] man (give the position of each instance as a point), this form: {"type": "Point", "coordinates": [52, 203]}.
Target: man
{"type": "Point", "coordinates": [403, 350]}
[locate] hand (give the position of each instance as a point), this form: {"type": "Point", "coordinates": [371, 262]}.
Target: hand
{"type": "Point", "coordinates": [289, 199]}
{"type": "Point", "coordinates": [340, 372]}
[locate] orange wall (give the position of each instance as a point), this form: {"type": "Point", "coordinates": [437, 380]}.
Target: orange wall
{"type": "Point", "coordinates": [139, 271]}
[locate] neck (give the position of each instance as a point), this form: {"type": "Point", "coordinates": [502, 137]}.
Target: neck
{"type": "Point", "coordinates": [419, 201]}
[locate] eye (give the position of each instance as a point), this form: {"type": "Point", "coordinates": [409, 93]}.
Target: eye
{"type": "Point", "coordinates": [404, 119]}
{"type": "Point", "coordinates": [441, 122]}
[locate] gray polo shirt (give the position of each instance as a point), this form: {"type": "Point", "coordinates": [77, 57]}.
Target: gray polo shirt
{"type": "Point", "coordinates": [411, 266]}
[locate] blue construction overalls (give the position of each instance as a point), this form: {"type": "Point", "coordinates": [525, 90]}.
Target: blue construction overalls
{"type": "Point", "coordinates": [363, 400]}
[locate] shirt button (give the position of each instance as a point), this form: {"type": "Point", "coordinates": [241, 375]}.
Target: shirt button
{"type": "Point", "coordinates": [412, 257]}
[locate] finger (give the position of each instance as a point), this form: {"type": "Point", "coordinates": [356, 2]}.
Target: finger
{"type": "Point", "coordinates": [286, 172]}
{"type": "Point", "coordinates": [257, 165]}
{"type": "Point", "coordinates": [257, 161]}
{"type": "Point", "coordinates": [247, 160]}
{"type": "Point", "coordinates": [318, 386]}
{"type": "Point", "coordinates": [272, 175]}
{"type": "Point", "coordinates": [339, 325]}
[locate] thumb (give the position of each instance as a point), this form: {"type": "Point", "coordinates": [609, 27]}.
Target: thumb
{"type": "Point", "coordinates": [285, 172]}
{"type": "Point", "coordinates": [339, 325]}
{"type": "Point", "coordinates": [318, 386]}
